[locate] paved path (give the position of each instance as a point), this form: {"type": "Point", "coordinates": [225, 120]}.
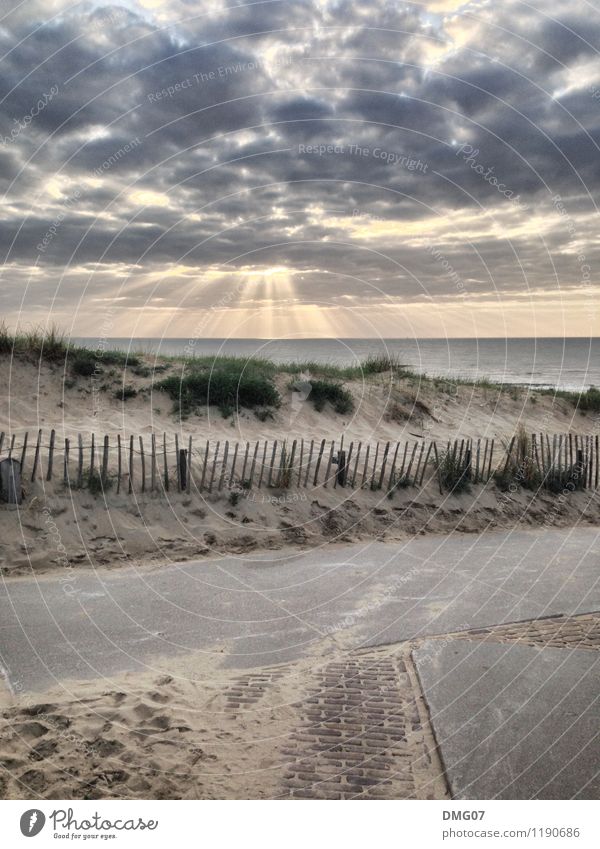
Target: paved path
{"type": "Point", "coordinates": [278, 607]}
{"type": "Point", "coordinates": [371, 661]}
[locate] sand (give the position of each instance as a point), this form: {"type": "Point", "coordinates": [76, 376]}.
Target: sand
{"type": "Point", "coordinates": [33, 397]}
{"type": "Point", "coordinates": [202, 732]}
{"type": "Point", "coordinates": [55, 528]}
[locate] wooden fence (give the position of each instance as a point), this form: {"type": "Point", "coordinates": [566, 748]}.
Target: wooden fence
{"type": "Point", "coordinates": [161, 463]}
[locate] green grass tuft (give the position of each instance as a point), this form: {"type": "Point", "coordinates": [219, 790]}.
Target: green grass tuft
{"type": "Point", "coordinates": [323, 391]}
{"type": "Point", "coordinates": [229, 384]}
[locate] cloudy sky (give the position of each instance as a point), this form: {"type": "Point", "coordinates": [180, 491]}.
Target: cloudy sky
{"type": "Point", "coordinates": [300, 167]}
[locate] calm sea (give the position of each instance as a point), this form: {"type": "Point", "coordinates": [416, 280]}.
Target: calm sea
{"type": "Point", "coordinates": [564, 363]}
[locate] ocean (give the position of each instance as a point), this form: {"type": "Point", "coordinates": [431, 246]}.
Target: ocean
{"type": "Point", "coordinates": [572, 363]}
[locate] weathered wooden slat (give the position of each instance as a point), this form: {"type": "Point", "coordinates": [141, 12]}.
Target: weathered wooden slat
{"type": "Point", "coordinates": [509, 453]}
{"type": "Point", "coordinates": [189, 466]}
{"type": "Point", "coordinates": [153, 465]}
{"type": "Point", "coordinates": [535, 452]}
{"type": "Point", "coordinates": [233, 465]}
{"type": "Point", "coordinates": [484, 461]}
{"type": "Point", "coordinates": [204, 465]}
{"type": "Point", "coordinates": [143, 462]}
{"type": "Point", "coordinates": [50, 454]}
{"type": "Point", "coordinates": [348, 461]}
{"type": "Point", "coordinates": [80, 460]}
{"type": "Point", "coordinates": [390, 482]}
{"type": "Point", "coordinates": [489, 473]}
{"type": "Point", "coordinates": [12, 445]}
{"type": "Point", "coordinates": [263, 465]}
{"type": "Point", "coordinates": [214, 467]}
{"type": "Point", "coordinates": [587, 459]}
{"type": "Point", "coordinates": [66, 463]}
{"type": "Point", "coordinates": [571, 450]}
{"type": "Point", "coordinates": [429, 448]}
{"type": "Point", "coordinates": [165, 462]}
{"type": "Point", "coordinates": [329, 463]}
{"type": "Point", "coordinates": [224, 465]}
{"type": "Point", "coordinates": [92, 455]}
{"type": "Point", "coordinates": [105, 449]}
{"type": "Point", "coordinates": [318, 466]}
{"type": "Point", "coordinates": [460, 456]}
{"type": "Point", "coordinates": [289, 476]}
{"type": "Point", "coordinates": [386, 451]}
{"type": "Point", "coordinates": [417, 470]}
{"type": "Point", "coordinates": [23, 453]}
{"type": "Point", "coordinates": [119, 462]}
{"type": "Point", "coordinates": [401, 473]}
{"type": "Point", "coordinates": [597, 472]}
{"type": "Point", "coordinates": [245, 463]}
{"type": "Point", "coordinates": [300, 469]}
{"type": "Point", "coordinates": [1, 440]}
{"type": "Point", "coordinates": [130, 486]}
{"type": "Point", "coordinates": [310, 456]}
{"type": "Point", "coordinates": [477, 458]}
{"type": "Point", "coordinates": [358, 450]}
{"type": "Point", "coordinates": [254, 456]}
{"type": "Point", "coordinates": [177, 462]}
{"type": "Point", "coordinates": [412, 458]}
{"type": "Point", "coordinates": [365, 467]}
{"type": "Point", "coordinates": [372, 477]}
{"type": "Point", "coordinates": [436, 457]}
{"type": "Point", "coordinates": [279, 477]}
{"type": "Point", "coordinates": [273, 453]}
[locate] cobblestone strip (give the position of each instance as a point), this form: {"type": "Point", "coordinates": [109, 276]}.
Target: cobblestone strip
{"type": "Point", "coordinates": [572, 632]}
{"type": "Point", "coordinates": [362, 734]}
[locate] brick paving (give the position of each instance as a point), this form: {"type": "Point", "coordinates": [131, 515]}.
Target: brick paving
{"type": "Point", "coordinates": [247, 690]}
{"type": "Point", "coordinates": [364, 734]}
{"type": "Point", "coordinates": [572, 632]}
{"type": "Point", "coordinates": [362, 727]}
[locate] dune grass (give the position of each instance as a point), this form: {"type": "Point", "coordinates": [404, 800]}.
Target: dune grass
{"type": "Point", "coordinates": [53, 345]}
{"type": "Point", "coordinates": [256, 374]}
{"type": "Point", "coordinates": [228, 383]}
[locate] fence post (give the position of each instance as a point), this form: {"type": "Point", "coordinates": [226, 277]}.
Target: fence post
{"type": "Point", "coordinates": [143, 459]}
{"type": "Point", "coordinates": [50, 454]}
{"type": "Point", "coordinates": [233, 464]}
{"type": "Point", "coordinates": [152, 462]}
{"type": "Point", "coordinates": [342, 469]}
{"type": "Point", "coordinates": [36, 458]}
{"type": "Point", "coordinates": [105, 459]}
{"type": "Point", "coordinates": [80, 461]}
{"type": "Point", "coordinates": [119, 461]}
{"type": "Point", "coordinates": [224, 466]}
{"type": "Point", "coordinates": [66, 463]}
{"type": "Point", "coordinates": [245, 463]}
{"type": "Point", "coordinates": [165, 462]}
{"type": "Point", "coordinates": [131, 464]}
{"type": "Point", "coordinates": [310, 454]}
{"type": "Point", "coordinates": [329, 462]}
{"type": "Point", "coordinates": [214, 467]}
{"type": "Point", "coordinates": [253, 463]}
{"type": "Point", "coordinates": [383, 465]}
{"type": "Point", "coordinates": [24, 453]}
{"type": "Point", "coordinates": [182, 458]}
{"type": "Point", "coordinates": [318, 466]}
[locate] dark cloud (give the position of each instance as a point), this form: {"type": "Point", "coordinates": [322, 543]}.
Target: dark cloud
{"type": "Point", "coordinates": [184, 132]}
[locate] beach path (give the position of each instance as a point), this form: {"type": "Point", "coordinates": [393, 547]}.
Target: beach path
{"type": "Point", "coordinates": [463, 665]}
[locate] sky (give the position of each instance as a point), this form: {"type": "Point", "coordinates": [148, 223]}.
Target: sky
{"type": "Point", "coordinates": [300, 168]}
